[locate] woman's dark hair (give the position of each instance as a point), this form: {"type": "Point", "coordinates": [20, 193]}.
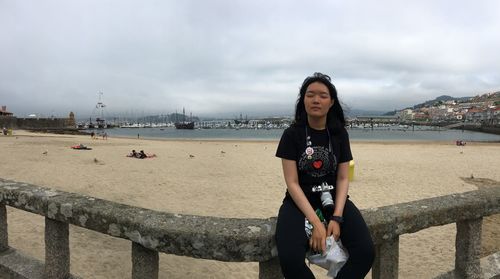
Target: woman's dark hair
{"type": "Point", "coordinates": [335, 119]}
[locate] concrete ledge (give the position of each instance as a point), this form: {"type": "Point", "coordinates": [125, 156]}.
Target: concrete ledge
{"type": "Point", "coordinates": [15, 265]}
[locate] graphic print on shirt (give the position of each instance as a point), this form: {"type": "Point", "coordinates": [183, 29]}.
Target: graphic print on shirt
{"type": "Point", "coordinates": [317, 164]}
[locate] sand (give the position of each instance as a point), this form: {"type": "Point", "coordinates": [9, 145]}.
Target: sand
{"type": "Point", "coordinates": [233, 179]}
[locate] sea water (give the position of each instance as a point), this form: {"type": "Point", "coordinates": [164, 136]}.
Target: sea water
{"type": "Point", "coordinates": [356, 134]}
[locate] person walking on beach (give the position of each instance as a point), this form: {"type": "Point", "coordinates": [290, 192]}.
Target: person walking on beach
{"type": "Point", "coordinates": [315, 150]}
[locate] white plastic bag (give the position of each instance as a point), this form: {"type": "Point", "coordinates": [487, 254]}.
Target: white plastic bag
{"type": "Point", "coordinates": [334, 258]}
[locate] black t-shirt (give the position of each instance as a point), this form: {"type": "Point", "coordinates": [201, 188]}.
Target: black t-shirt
{"type": "Point", "coordinates": [317, 165]}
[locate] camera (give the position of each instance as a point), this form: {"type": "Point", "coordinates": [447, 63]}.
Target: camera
{"type": "Point", "coordinates": [326, 197]}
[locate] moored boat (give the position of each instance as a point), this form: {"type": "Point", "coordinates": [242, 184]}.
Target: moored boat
{"type": "Point", "coordinates": [184, 125]}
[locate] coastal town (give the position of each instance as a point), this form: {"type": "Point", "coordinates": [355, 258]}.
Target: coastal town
{"type": "Point", "coordinates": [484, 109]}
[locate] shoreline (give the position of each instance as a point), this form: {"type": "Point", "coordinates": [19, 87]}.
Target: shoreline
{"type": "Point", "coordinates": [494, 130]}
{"type": "Point", "coordinates": [251, 140]}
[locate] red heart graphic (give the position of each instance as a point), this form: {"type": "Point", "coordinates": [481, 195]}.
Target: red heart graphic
{"type": "Point", "coordinates": [317, 164]}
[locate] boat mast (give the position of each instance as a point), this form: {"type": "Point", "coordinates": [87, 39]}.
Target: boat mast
{"type": "Point", "coordinates": [100, 111]}
{"type": "Point", "coordinates": [100, 106]}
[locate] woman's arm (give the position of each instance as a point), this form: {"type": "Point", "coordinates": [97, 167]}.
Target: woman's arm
{"type": "Point", "coordinates": [340, 198]}
{"type": "Point", "coordinates": [342, 188]}
{"type": "Point", "coordinates": [318, 238]}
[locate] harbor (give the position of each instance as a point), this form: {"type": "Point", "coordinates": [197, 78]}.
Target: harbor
{"type": "Point", "coordinates": [381, 133]}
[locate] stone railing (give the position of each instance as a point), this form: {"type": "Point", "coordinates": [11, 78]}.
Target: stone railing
{"type": "Point", "coordinates": [224, 239]}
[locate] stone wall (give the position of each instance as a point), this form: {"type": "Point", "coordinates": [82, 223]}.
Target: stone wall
{"type": "Point", "coordinates": [8, 122]}
{"type": "Point", "coordinates": [36, 123]}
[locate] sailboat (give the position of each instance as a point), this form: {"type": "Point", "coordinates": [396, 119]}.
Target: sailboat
{"type": "Point", "coordinates": [99, 113]}
{"type": "Point", "coordinates": [185, 125]}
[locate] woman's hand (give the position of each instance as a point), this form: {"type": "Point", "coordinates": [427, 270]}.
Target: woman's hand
{"type": "Point", "coordinates": [317, 242]}
{"type": "Point", "coordinates": [333, 229]}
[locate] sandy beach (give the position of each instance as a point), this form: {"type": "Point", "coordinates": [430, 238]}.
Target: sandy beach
{"type": "Point", "coordinates": [234, 179]}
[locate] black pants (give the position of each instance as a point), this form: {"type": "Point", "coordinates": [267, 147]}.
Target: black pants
{"type": "Point", "coordinates": [292, 242]}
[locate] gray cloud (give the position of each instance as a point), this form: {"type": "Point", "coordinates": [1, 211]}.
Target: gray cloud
{"type": "Point", "coordinates": [216, 57]}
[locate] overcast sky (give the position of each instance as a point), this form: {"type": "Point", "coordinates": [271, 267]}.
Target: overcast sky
{"type": "Point", "coordinates": [230, 56]}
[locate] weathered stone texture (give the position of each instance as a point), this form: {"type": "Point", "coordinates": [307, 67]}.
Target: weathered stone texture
{"type": "Point", "coordinates": [490, 266]}
{"type": "Point", "coordinates": [4, 235]}
{"type": "Point", "coordinates": [16, 265]}
{"type": "Point", "coordinates": [386, 265]}
{"type": "Point", "coordinates": [13, 264]}
{"type": "Point", "coordinates": [468, 247]}
{"type": "Point", "coordinates": [57, 259]}
{"type": "Point", "coordinates": [144, 262]}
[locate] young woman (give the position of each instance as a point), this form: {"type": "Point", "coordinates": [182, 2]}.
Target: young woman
{"type": "Point", "coordinates": [315, 150]}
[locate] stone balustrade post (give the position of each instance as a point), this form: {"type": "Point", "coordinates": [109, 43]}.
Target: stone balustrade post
{"type": "Point", "coordinates": [468, 248]}
{"type": "Point", "coordinates": [4, 234]}
{"type": "Point", "coordinates": [57, 260]}
{"type": "Point", "coordinates": [386, 263]}
{"type": "Point", "coordinates": [270, 269]}
{"type": "Point", "coordinates": [144, 262]}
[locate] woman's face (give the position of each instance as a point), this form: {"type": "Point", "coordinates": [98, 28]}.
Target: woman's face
{"type": "Point", "coordinates": [317, 100]}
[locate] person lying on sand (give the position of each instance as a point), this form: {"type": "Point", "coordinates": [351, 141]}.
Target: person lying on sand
{"type": "Point", "coordinates": [81, 147]}
{"type": "Point", "coordinates": [140, 155]}
{"type": "Point", "coordinates": [132, 154]}
{"type": "Point", "coordinates": [143, 155]}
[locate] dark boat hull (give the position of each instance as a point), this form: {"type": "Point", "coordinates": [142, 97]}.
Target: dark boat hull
{"type": "Point", "coordinates": [184, 125]}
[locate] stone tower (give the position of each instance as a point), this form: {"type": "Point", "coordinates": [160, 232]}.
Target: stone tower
{"type": "Point", "coordinates": [71, 121]}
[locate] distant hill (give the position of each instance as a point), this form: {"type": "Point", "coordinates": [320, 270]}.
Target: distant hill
{"type": "Point", "coordinates": [359, 112]}
{"type": "Point", "coordinates": [390, 113]}
{"type": "Point", "coordinates": [442, 98]}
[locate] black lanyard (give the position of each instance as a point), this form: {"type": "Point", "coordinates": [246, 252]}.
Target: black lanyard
{"type": "Point", "coordinates": [330, 149]}
{"type": "Point", "coordinates": [309, 143]}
